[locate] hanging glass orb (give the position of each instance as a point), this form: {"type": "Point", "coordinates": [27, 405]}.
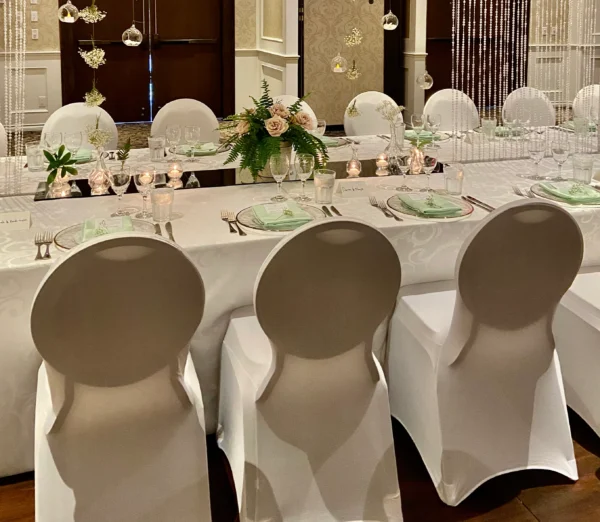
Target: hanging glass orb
{"type": "Point", "coordinates": [132, 37]}
{"type": "Point", "coordinates": [390, 21]}
{"type": "Point", "coordinates": [425, 81]}
{"type": "Point", "coordinates": [68, 13]}
{"type": "Point", "coordinates": [339, 64]}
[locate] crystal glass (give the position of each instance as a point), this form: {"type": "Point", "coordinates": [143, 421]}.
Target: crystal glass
{"type": "Point", "coordinates": [390, 21]}
{"type": "Point", "coordinates": [52, 141]}
{"type": "Point", "coordinates": [192, 138]}
{"type": "Point", "coordinates": [119, 181]}
{"type": "Point", "coordinates": [304, 166]}
{"type": "Point", "coordinates": [321, 127]}
{"type": "Point", "coordinates": [354, 166]}
{"type": "Point", "coordinates": [454, 176]}
{"type": "Point", "coordinates": [404, 161]}
{"type": "Point", "coordinates": [73, 141]}
{"type": "Point", "coordinates": [430, 154]}
{"type": "Point", "coordinates": [537, 151]}
{"type": "Point", "coordinates": [157, 148]}
{"type": "Point", "coordinates": [434, 121]}
{"type": "Point", "coordinates": [324, 185]}
{"type": "Point", "coordinates": [162, 204]}
{"type": "Point", "coordinates": [488, 126]}
{"type": "Point", "coordinates": [582, 168]}
{"type": "Point", "coordinates": [175, 174]}
{"type": "Point", "coordinates": [280, 167]}
{"type": "Point", "coordinates": [173, 138]}
{"type": "Point", "coordinates": [144, 180]}
{"type": "Point", "coordinates": [560, 152]}
{"type": "Point", "coordinates": [35, 157]}
{"type": "Point", "coordinates": [418, 124]}
{"type": "Point", "coordinates": [397, 131]}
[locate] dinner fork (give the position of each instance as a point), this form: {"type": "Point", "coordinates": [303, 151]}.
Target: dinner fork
{"type": "Point", "coordinates": [388, 212]}
{"type": "Point", "coordinates": [48, 240]}
{"type": "Point", "coordinates": [231, 219]}
{"type": "Point", "coordinates": [38, 242]}
{"type": "Point", "coordinates": [225, 217]}
{"type": "Point", "coordinates": [375, 204]}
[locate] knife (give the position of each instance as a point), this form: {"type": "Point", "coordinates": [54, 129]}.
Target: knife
{"type": "Point", "coordinates": [478, 203]}
{"type": "Point", "coordinates": [157, 229]}
{"type": "Point", "coordinates": [336, 211]}
{"type": "Point", "coordinates": [169, 228]}
{"type": "Point", "coordinates": [327, 212]}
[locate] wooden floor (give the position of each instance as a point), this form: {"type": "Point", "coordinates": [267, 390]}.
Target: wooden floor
{"type": "Point", "coordinates": [518, 497]}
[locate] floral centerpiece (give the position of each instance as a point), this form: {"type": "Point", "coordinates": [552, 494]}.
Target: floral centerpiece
{"type": "Point", "coordinates": [265, 129]}
{"type": "Point", "coordinates": [61, 165]}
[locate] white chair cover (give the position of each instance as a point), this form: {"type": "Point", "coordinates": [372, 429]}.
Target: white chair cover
{"type": "Point", "coordinates": [527, 103]}
{"type": "Point", "coordinates": [187, 112]}
{"type": "Point", "coordinates": [76, 117]}
{"type": "Point", "coordinates": [288, 100]}
{"type": "Point", "coordinates": [3, 141]}
{"type": "Point", "coordinates": [304, 413]}
{"type": "Point", "coordinates": [577, 332]}
{"type": "Point", "coordinates": [119, 417]}
{"type": "Point", "coordinates": [369, 121]}
{"type": "Point", "coordinates": [474, 376]}
{"type": "Point", "coordinates": [457, 110]}
{"type": "Point", "coordinates": [587, 103]}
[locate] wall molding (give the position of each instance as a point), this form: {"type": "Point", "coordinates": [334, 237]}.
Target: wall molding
{"type": "Point", "coordinates": [36, 54]}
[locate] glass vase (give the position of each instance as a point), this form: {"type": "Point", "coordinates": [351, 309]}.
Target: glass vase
{"type": "Point", "coordinates": [417, 160]}
{"type": "Point", "coordinates": [99, 178]}
{"type": "Point", "coordinates": [394, 149]}
{"type": "Point", "coordinates": [60, 187]}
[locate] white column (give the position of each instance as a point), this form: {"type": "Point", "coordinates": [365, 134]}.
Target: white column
{"type": "Point", "coordinates": [415, 54]}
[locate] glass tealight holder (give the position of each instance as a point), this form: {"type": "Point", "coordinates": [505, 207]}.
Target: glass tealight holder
{"type": "Point", "coordinates": [175, 173]}
{"type": "Point", "coordinates": [382, 161]}
{"type": "Point", "coordinates": [324, 186]}
{"type": "Point", "coordinates": [35, 157]}
{"type": "Point", "coordinates": [162, 204]}
{"type": "Point", "coordinates": [99, 181]}
{"type": "Point", "coordinates": [454, 176]}
{"type": "Point", "coordinates": [354, 166]}
{"type": "Point", "coordinates": [382, 171]}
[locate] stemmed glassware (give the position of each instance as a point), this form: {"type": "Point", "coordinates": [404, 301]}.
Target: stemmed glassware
{"type": "Point", "coordinates": [321, 127]}
{"type": "Point", "coordinates": [173, 139]}
{"type": "Point", "coordinates": [434, 121]}
{"type": "Point", "coordinates": [119, 181]}
{"type": "Point", "coordinates": [144, 181]}
{"type": "Point", "coordinates": [418, 124]}
{"type": "Point", "coordinates": [52, 140]}
{"type": "Point", "coordinates": [192, 138]}
{"type": "Point", "coordinates": [560, 152]}
{"type": "Point", "coordinates": [430, 153]}
{"type": "Point", "coordinates": [73, 141]}
{"type": "Point", "coordinates": [280, 167]}
{"type": "Point", "coordinates": [305, 165]}
{"type": "Point", "coordinates": [537, 151]}
{"type": "Point", "coordinates": [404, 162]}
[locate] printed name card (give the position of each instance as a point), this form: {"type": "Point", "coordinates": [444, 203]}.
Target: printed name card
{"type": "Point", "coordinates": [353, 189]}
{"type": "Point", "coordinates": [15, 220]}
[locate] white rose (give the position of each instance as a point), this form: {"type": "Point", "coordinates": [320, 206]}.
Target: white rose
{"type": "Point", "coordinates": [279, 109]}
{"type": "Point", "coordinates": [304, 120]}
{"type": "Point", "coordinates": [276, 126]}
{"type": "Point", "coordinates": [242, 127]}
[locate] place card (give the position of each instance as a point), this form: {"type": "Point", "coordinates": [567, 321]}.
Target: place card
{"type": "Point", "coordinates": [352, 189]}
{"type": "Point", "coordinates": [15, 220]}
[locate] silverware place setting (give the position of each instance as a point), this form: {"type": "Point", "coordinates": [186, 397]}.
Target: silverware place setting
{"type": "Point", "coordinates": [169, 229]}
{"type": "Point", "coordinates": [329, 212]}
{"type": "Point", "coordinates": [478, 203]}
{"type": "Point", "coordinates": [225, 217]}
{"type": "Point", "coordinates": [233, 222]}
{"type": "Point", "coordinates": [524, 193]}
{"type": "Point", "coordinates": [157, 229]}
{"type": "Point", "coordinates": [40, 240]}
{"type": "Point", "coordinates": [383, 207]}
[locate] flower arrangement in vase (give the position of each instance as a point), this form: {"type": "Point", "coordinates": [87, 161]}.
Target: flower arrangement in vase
{"type": "Point", "coordinates": [60, 167]}
{"type": "Point", "coordinates": [269, 129]}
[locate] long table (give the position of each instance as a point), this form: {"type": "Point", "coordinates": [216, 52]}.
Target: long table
{"type": "Point", "coordinates": [229, 265]}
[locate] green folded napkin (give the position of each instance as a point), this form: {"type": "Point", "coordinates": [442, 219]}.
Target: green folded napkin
{"type": "Point", "coordinates": [329, 142]}
{"type": "Point", "coordinates": [502, 131]}
{"type": "Point", "coordinates": [205, 149]}
{"type": "Point", "coordinates": [97, 227]}
{"type": "Point", "coordinates": [572, 192]}
{"type": "Point", "coordinates": [431, 205]}
{"type": "Point", "coordinates": [83, 156]}
{"type": "Point", "coordinates": [424, 135]}
{"type": "Point", "coordinates": [571, 125]}
{"type": "Point", "coordinates": [276, 216]}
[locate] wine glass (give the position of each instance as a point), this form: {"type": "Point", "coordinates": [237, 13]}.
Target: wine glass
{"type": "Point", "coordinates": [52, 141]}
{"type": "Point", "coordinates": [144, 180]}
{"type": "Point", "coordinates": [73, 141]}
{"type": "Point", "coordinates": [434, 121]}
{"type": "Point", "coordinates": [560, 152]}
{"type": "Point", "coordinates": [173, 136]}
{"type": "Point", "coordinates": [430, 153]}
{"type": "Point", "coordinates": [119, 181]}
{"type": "Point", "coordinates": [321, 127]}
{"type": "Point", "coordinates": [305, 165]}
{"type": "Point", "coordinates": [404, 163]}
{"type": "Point", "coordinates": [418, 125]}
{"type": "Point", "coordinates": [280, 167]}
{"type": "Point", "coordinates": [537, 151]}
{"type": "Point", "coordinates": [192, 137]}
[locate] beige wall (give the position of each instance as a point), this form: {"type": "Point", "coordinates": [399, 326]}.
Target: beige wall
{"type": "Point", "coordinates": [47, 25]}
{"type": "Point", "coordinates": [245, 24]}
{"type": "Point", "coordinates": [325, 25]}
{"type": "Point", "coordinates": [554, 13]}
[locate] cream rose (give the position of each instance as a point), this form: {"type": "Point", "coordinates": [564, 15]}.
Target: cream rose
{"type": "Point", "coordinates": [242, 127]}
{"type": "Point", "coordinates": [279, 109]}
{"type": "Point", "coordinates": [304, 120]}
{"type": "Point", "coordinates": [276, 126]}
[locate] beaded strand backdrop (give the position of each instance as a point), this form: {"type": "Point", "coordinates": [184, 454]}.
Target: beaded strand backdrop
{"type": "Point", "coordinates": [15, 41]}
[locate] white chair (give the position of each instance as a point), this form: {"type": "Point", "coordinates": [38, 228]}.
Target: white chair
{"type": "Point", "coordinates": [187, 112]}
{"type": "Point", "coordinates": [119, 417]}
{"type": "Point", "coordinates": [288, 100]}
{"type": "Point", "coordinates": [304, 413]}
{"type": "Point", "coordinates": [529, 104]}
{"type": "Point", "coordinates": [473, 373]}
{"type": "Point", "coordinates": [457, 110]}
{"type": "Point", "coordinates": [577, 332]}
{"type": "Point", "coordinates": [369, 121]}
{"type": "Point", "coordinates": [76, 117]}
{"type": "Point", "coordinates": [3, 142]}
{"type": "Point", "coordinates": [587, 103]}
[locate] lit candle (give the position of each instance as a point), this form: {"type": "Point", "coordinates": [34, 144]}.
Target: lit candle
{"type": "Point", "coordinates": [146, 178]}
{"type": "Point", "coordinates": [382, 161]}
{"type": "Point", "coordinates": [353, 173]}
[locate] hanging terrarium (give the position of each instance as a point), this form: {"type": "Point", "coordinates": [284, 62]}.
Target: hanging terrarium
{"type": "Point", "coordinates": [425, 81]}
{"type": "Point", "coordinates": [68, 13]}
{"type": "Point", "coordinates": [353, 73]}
{"type": "Point", "coordinates": [390, 21]}
{"type": "Point", "coordinates": [339, 64]}
{"type": "Point", "coordinates": [132, 37]}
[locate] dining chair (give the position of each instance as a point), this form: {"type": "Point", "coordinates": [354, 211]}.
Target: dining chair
{"type": "Point", "coordinates": [304, 415]}
{"type": "Point", "coordinates": [288, 100]}
{"type": "Point", "coordinates": [529, 104]}
{"type": "Point", "coordinates": [368, 121]}
{"type": "Point", "coordinates": [187, 112]}
{"type": "Point", "coordinates": [119, 422]}
{"type": "Point", "coordinates": [587, 103]}
{"type": "Point", "coordinates": [76, 117]}
{"type": "Point", "coordinates": [474, 376]}
{"type": "Point", "coordinates": [458, 112]}
{"type": "Point", "coordinates": [3, 142]}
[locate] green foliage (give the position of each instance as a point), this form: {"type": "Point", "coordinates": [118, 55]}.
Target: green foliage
{"type": "Point", "coordinates": [60, 161]}
{"type": "Point", "coordinates": [123, 154]}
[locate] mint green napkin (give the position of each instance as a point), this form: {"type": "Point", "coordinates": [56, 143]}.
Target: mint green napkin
{"type": "Point", "coordinates": [572, 192]}
{"type": "Point", "coordinates": [431, 205]}
{"type": "Point", "coordinates": [205, 149]}
{"type": "Point", "coordinates": [571, 125]}
{"type": "Point", "coordinates": [83, 156]}
{"type": "Point", "coordinates": [329, 142]}
{"type": "Point", "coordinates": [276, 216]}
{"type": "Point", "coordinates": [424, 135]}
{"type": "Point", "coordinates": [97, 227]}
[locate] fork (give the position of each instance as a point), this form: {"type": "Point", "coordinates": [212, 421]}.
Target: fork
{"type": "Point", "coordinates": [38, 242]}
{"type": "Point", "coordinates": [48, 240]}
{"type": "Point", "coordinates": [375, 204]}
{"type": "Point", "coordinates": [388, 212]}
{"type": "Point", "coordinates": [225, 217]}
{"type": "Point", "coordinates": [231, 220]}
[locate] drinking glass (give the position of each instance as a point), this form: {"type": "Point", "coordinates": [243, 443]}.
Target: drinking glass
{"type": "Point", "coordinates": [434, 121]}
{"type": "Point", "coordinates": [454, 176]}
{"type": "Point", "coordinates": [73, 141]}
{"type": "Point", "coordinates": [560, 153]}
{"type": "Point", "coordinates": [321, 127]}
{"type": "Point", "coordinates": [144, 180]}
{"type": "Point", "coordinates": [157, 148]}
{"type": "Point", "coordinates": [52, 141]}
{"type": "Point", "coordinates": [582, 168]}
{"type": "Point", "coordinates": [162, 204]}
{"type": "Point", "coordinates": [280, 167]}
{"type": "Point", "coordinates": [119, 181]}
{"type": "Point", "coordinates": [418, 124]}
{"type": "Point", "coordinates": [192, 138]}
{"type": "Point", "coordinates": [305, 164]}
{"type": "Point", "coordinates": [488, 126]}
{"type": "Point", "coordinates": [537, 151]}
{"type": "Point", "coordinates": [35, 157]}
{"type": "Point", "coordinates": [430, 153]}
{"type": "Point", "coordinates": [324, 185]}
{"type": "Point", "coordinates": [404, 162]}
{"type": "Point", "coordinates": [173, 138]}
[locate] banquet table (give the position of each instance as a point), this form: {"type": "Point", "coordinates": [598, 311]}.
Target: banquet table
{"type": "Point", "coordinates": [229, 265]}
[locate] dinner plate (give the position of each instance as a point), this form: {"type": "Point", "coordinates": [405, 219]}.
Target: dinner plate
{"type": "Point", "coordinates": [466, 209]}
{"type": "Point", "coordinates": [72, 236]}
{"type": "Point", "coordinates": [247, 218]}
{"type": "Point", "coordinates": [538, 190]}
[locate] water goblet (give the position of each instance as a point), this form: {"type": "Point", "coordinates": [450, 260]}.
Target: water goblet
{"type": "Point", "coordinates": [192, 137]}
{"type": "Point", "coordinates": [430, 154]}
{"type": "Point", "coordinates": [560, 152]}
{"type": "Point", "coordinates": [280, 167]}
{"type": "Point", "coordinates": [418, 124]}
{"type": "Point", "coordinates": [73, 141]}
{"type": "Point", "coordinates": [305, 165]}
{"type": "Point", "coordinates": [404, 163]}
{"type": "Point", "coordinates": [173, 136]}
{"type": "Point", "coordinates": [144, 180]}
{"type": "Point", "coordinates": [537, 151]}
{"type": "Point", "coordinates": [52, 141]}
{"type": "Point", "coordinates": [119, 181]}
{"type": "Point", "coordinates": [321, 127]}
{"type": "Point", "coordinates": [434, 121]}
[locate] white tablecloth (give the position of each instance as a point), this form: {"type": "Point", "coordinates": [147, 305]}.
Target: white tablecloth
{"type": "Point", "coordinates": [229, 265]}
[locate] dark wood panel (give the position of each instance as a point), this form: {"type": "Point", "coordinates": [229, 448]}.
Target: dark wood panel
{"type": "Point", "coordinates": [393, 60]}
{"type": "Point", "coordinates": [187, 19]}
